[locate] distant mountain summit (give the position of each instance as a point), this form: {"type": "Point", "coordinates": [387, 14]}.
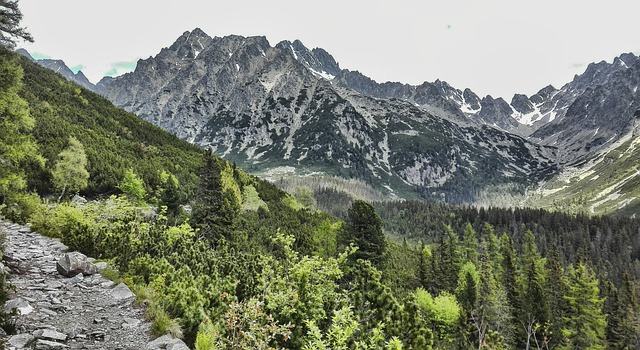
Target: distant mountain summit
{"type": "Point", "coordinates": [288, 107]}
{"type": "Point", "coordinates": [61, 68]}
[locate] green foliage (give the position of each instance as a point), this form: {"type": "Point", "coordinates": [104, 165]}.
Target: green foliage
{"type": "Point", "coordinates": [22, 206]}
{"type": "Point", "coordinates": [251, 200]}
{"type": "Point", "coordinates": [10, 30]}
{"type": "Point", "coordinates": [133, 186]}
{"type": "Point", "coordinates": [70, 172]}
{"type": "Point", "coordinates": [206, 338]}
{"type": "Point", "coordinates": [218, 199]}
{"type": "Point", "coordinates": [363, 229]}
{"type": "Point", "coordinates": [585, 323]}
{"type": "Point", "coordinates": [16, 143]}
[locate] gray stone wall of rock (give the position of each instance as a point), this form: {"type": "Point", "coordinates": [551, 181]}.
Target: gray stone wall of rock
{"type": "Point", "coordinates": [60, 312]}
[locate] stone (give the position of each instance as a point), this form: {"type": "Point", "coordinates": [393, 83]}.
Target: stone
{"type": "Point", "coordinates": [166, 342]}
{"type": "Point", "coordinates": [49, 345]}
{"type": "Point", "coordinates": [78, 200]}
{"type": "Point", "coordinates": [76, 279]}
{"type": "Point", "coordinates": [50, 334]}
{"type": "Point", "coordinates": [74, 263]}
{"type": "Point", "coordinates": [98, 335]}
{"type": "Point", "coordinates": [101, 265]}
{"type": "Point", "coordinates": [21, 340]}
{"type": "Point", "coordinates": [23, 306]}
{"type": "Point", "coordinates": [130, 322]}
{"type": "Point", "coordinates": [121, 292]}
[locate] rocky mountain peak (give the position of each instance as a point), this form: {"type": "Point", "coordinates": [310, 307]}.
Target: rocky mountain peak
{"type": "Point", "coordinates": [321, 63]}
{"type": "Point", "coordinates": [522, 104]}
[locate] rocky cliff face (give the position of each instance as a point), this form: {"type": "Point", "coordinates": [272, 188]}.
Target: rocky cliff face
{"type": "Point", "coordinates": [266, 107]}
{"type": "Point", "coordinates": [593, 111]}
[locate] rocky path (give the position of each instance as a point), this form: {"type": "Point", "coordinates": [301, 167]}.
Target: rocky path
{"type": "Point", "coordinates": [81, 312]}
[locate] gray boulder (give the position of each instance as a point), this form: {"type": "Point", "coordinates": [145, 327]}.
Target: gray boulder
{"type": "Point", "coordinates": [121, 292]}
{"type": "Point", "coordinates": [74, 263]}
{"type": "Point", "coordinates": [167, 342]}
{"type": "Point", "coordinates": [20, 304]}
{"type": "Point", "coordinates": [20, 340]}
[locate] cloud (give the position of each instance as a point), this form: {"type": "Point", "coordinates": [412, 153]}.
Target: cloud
{"type": "Point", "coordinates": [576, 65]}
{"type": "Point", "coordinates": [119, 68]}
{"type": "Point", "coordinates": [77, 68]}
{"type": "Point", "coordinates": [39, 56]}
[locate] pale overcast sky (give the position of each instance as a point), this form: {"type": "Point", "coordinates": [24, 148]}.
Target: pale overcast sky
{"type": "Point", "coordinates": [497, 47]}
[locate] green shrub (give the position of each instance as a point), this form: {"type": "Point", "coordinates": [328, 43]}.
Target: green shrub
{"type": "Point", "coordinates": [22, 206]}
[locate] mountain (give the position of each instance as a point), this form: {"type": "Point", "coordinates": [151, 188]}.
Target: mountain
{"type": "Point", "coordinates": [61, 68]}
{"type": "Point", "coordinates": [593, 111]}
{"type": "Point", "coordinates": [606, 183]}
{"type": "Point", "coordinates": [283, 109]}
{"type": "Point", "coordinates": [566, 118]}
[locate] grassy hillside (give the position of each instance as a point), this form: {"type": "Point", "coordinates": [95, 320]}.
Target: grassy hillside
{"type": "Point", "coordinates": [609, 183]}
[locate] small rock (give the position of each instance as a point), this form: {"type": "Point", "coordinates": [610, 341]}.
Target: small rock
{"type": "Point", "coordinates": [24, 230]}
{"type": "Point", "coordinates": [21, 340]}
{"type": "Point", "coordinates": [76, 279]}
{"type": "Point", "coordinates": [101, 265]}
{"type": "Point", "coordinates": [20, 304]}
{"type": "Point", "coordinates": [167, 342]}
{"type": "Point", "coordinates": [78, 200]}
{"type": "Point", "coordinates": [130, 322]}
{"type": "Point", "coordinates": [74, 263]}
{"type": "Point", "coordinates": [49, 345]}
{"type": "Point", "coordinates": [107, 284]}
{"type": "Point", "coordinates": [48, 312]}
{"type": "Point", "coordinates": [121, 292]}
{"type": "Point", "coordinates": [98, 335]}
{"type": "Point", "coordinates": [49, 334]}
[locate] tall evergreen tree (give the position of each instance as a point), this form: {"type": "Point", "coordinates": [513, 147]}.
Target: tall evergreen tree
{"type": "Point", "coordinates": [555, 290]}
{"type": "Point", "coordinates": [584, 322]}
{"type": "Point", "coordinates": [363, 228]}
{"type": "Point", "coordinates": [470, 246]}
{"type": "Point", "coordinates": [534, 312]}
{"type": "Point", "coordinates": [10, 30]}
{"type": "Point", "coordinates": [217, 200]}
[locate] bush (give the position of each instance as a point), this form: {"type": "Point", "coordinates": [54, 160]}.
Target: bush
{"type": "Point", "coordinates": [22, 206]}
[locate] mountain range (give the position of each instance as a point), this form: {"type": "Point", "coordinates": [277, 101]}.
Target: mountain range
{"type": "Point", "coordinates": [285, 110]}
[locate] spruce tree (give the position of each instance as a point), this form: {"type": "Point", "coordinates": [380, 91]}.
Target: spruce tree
{"type": "Point", "coordinates": [363, 228]}
{"type": "Point", "coordinates": [217, 200]}
{"type": "Point", "coordinates": [584, 322]}
{"type": "Point", "coordinates": [10, 30]}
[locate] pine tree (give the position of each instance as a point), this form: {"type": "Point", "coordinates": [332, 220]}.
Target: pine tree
{"type": "Point", "coordinates": [363, 228]}
{"type": "Point", "coordinates": [470, 244]}
{"type": "Point", "coordinates": [217, 201]}
{"type": "Point", "coordinates": [170, 194]}
{"type": "Point", "coordinates": [10, 30]}
{"type": "Point", "coordinates": [534, 313]}
{"type": "Point", "coordinates": [584, 322]}
{"type": "Point", "coordinates": [555, 291]}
